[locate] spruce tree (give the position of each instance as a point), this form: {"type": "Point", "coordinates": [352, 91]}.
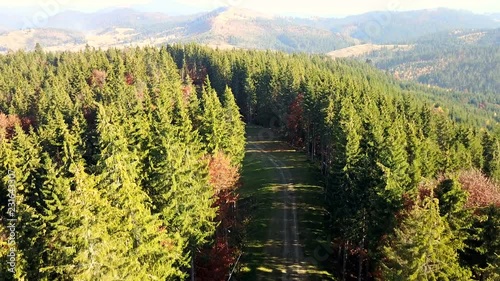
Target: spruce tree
{"type": "Point", "coordinates": [143, 246]}
{"type": "Point", "coordinates": [212, 128]}
{"type": "Point", "coordinates": [491, 156]}
{"type": "Point", "coordinates": [22, 156]}
{"type": "Point", "coordinates": [175, 168]}
{"type": "Point", "coordinates": [234, 143]}
{"type": "Point", "coordinates": [422, 248]}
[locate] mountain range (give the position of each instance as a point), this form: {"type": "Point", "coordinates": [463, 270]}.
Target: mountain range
{"type": "Point", "coordinates": [232, 28]}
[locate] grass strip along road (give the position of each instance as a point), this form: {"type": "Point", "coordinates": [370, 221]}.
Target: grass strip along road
{"type": "Point", "coordinates": [282, 202]}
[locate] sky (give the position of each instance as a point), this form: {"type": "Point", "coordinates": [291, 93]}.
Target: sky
{"type": "Point", "coordinates": [319, 8]}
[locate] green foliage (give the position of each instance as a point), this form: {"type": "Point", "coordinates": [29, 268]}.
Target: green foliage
{"type": "Point", "coordinates": [483, 246]}
{"type": "Point", "coordinates": [212, 120]}
{"type": "Point", "coordinates": [422, 248]}
{"type": "Point", "coordinates": [375, 139]}
{"type": "Point", "coordinates": [234, 128]}
{"type": "Point", "coordinates": [111, 176]}
{"type": "Point", "coordinates": [111, 152]}
{"type": "Point", "coordinates": [455, 67]}
{"type": "Point", "coordinates": [452, 199]}
{"type": "Point", "coordinates": [491, 156]}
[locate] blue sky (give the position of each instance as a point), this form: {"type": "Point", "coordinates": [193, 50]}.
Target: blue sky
{"type": "Point", "coordinates": [284, 7]}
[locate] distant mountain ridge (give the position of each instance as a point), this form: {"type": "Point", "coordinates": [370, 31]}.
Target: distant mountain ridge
{"type": "Point", "coordinates": [238, 28]}
{"type": "Point", "coordinates": [464, 60]}
{"type": "Point", "coordinates": [388, 27]}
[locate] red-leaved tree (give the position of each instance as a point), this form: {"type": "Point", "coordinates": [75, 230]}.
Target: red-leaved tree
{"type": "Point", "coordinates": [213, 263]}
{"type": "Point", "coordinates": [8, 123]}
{"type": "Point", "coordinates": [482, 191]}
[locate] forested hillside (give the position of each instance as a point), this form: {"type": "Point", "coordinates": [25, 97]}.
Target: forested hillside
{"type": "Point", "coordinates": [463, 60]}
{"type": "Point", "coordinates": [113, 168]}
{"type": "Point", "coordinates": [229, 27]}
{"type": "Point", "coordinates": [124, 164]}
{"type": "Point", "coordinates": [397, 169]}
{"type": "Point", "coordinates": [398, 27]}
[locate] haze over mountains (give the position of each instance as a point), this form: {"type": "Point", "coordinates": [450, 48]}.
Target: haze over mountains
{"type": "Point", "coordinates": [186, 161]}
{"type": "Point", "coordinates": [231, 27]}
{"type": "Point", "coordinates": [433, 46]}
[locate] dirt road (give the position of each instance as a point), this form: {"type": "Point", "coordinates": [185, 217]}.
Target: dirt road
{"type": "Point", "coordinates": [283, 203]}
{"type": "Point", "coordinates": [284, 225]}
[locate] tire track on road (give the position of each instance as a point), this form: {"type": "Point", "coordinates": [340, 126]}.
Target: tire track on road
{"type": "Point", "coordinates": [292, 252]}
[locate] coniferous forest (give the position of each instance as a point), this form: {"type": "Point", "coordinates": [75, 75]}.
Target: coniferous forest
{"type": "Point", "coordinates": [124, 164]}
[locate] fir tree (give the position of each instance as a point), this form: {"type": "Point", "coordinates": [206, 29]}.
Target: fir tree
{"type": "Point", "coordinates": [212, 128]}
{"type": "Point", "coordinates": [234, 144]}
{"type": "Point", "coordinates": [422, 248]}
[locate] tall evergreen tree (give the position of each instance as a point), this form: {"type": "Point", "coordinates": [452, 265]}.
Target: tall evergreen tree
{"type": "Point", "coordinates": [234, 144]}
{"type": "Point", "coordinates": [491, 156]}
{"type": "Point", "coordinates": [140, 240]}
{"type": "Point", "coordinates": [212, 129]}
{"type": "Point", "coordinates": [422, 248]}
{"type": "Point", "coordinates": [176, 171]}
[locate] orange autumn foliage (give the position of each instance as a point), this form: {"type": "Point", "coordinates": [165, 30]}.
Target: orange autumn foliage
{"type": "Point", "coordinates": [222, 175]}
{"type": "Point", "coordinates": [97, 78]}
{"type": "Point", "coordinates": [482, 191]}
{"type": "Point", "coordinates": [8, 124]}
{"type": "Point", "coordinates": [129, 79]}
{"type": "Point", "coordinates": [213, 262]}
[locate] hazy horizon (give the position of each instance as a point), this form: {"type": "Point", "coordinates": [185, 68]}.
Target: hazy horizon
{"type": "Point", "coordinates": [313, 8]}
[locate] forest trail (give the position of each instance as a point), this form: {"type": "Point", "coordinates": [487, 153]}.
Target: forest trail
{"type": "Point", "coordinates": [284, 225]}
{"type": "Point", "coordinates": [276, 194]}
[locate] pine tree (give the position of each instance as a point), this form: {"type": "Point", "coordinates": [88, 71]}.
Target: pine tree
{"type": "Point", "coordinates": [414, 149]}
{"type": "Point", "coordinates": [22, 156]}
{"type": "Point", "coordinates": [234, 144]}
{"type": "Point", "coordinates": [212, 128]}
{"type": "Point", "coordinates": [175, 169]}
{"type": "Point", "coordinates": [452, 199]}
{"type": "Point", "coordinates": [491, 156]}
{"type": "Point", "coordinates": [422, 248]}
{"type": "Point", "coordinates": [143, 245]}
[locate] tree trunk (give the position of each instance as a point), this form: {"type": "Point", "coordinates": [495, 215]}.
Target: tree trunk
{"type": "Point", "coordinates": [344, 262]}
{"type": "Point", "coordinates": [313, 146]}
{"type": "Point", "coordinates": [192, 268]}
{"type": "Point", "coordinates": [360, 264]}
{"type": "Point", "coordinates": [362, 248]}
{"type": "Point", "coordinates": [309, 141]}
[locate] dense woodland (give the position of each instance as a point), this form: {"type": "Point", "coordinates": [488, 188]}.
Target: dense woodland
{"type": "Point", "coordinates": [126, 164]}
{"type": "Point", "coordinates": [122, 171]}
{"type": "Point", "coordinates": [395, 166]}
{"type": "Point", "coordinates": [463, 60]}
